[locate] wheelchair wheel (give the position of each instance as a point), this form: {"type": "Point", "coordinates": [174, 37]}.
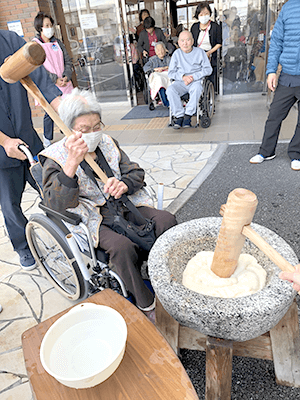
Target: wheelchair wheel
{"type": "Point", "coordinates": [53, 255]}
{"type": "Point", "coordinates": [210, 100]}
{"type": "Point", "coordinates": [205, 122]}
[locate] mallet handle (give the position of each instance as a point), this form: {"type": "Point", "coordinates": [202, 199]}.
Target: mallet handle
{"type": "Point", "coordinates": [35, 92]}
{"type": "Point", "coordinates": [268, 250]}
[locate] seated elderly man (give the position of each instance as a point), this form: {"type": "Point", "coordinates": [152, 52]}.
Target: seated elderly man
{"type": "Point", "coordinates": [157, 67]}
{"type": "Point", "coordinates": [188, 66]}
{"type": "Point", "coordinates": [67, 187]}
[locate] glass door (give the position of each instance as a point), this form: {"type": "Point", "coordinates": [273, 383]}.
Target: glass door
{"type": "Point", "coordinates": [246, 26]}
{"type": "Point", "coordinates": [160, 11]}
{"type": "Point", "coordinates": [95, 35]}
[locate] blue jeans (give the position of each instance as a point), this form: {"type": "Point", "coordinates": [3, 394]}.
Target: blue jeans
{"type": "Point", "coordinates": [163, 97]}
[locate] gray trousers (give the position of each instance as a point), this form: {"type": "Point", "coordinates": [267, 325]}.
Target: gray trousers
{"type": "Point", "coordinates": [178, 89]}
{"type": "Point", "coordinates": [127, 257]}
{"type": "Point", "coordinates": [285, 97]}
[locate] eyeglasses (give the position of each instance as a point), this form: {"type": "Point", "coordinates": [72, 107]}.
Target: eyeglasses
{"type": "Point", "coordinates": [87, 129]}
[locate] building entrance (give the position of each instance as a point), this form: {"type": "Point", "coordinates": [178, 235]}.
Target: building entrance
{"type": "Point", "coordinates": [100, 31]}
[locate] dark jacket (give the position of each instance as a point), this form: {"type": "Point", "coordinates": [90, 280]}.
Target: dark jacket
{"type": "Point", "coordinates": [62, 192]}
{"type": "Point", "coordinates": [15, 113]}
{"type": "Point", "coordinates": [143, 43]}
{"type": "Point", "coordinates": [156, 62]}
{"type": "Point", "coordinates": [215, 37]}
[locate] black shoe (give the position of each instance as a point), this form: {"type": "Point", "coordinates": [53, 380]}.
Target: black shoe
{"type": "Point", "coordinates": [26, 259]}
{"type": "Point", "coordinates": [187, 121]}
{"type": "Point", "coordinates": [177, 122]}
{"type": "Point", "coordinates": [151, 107]}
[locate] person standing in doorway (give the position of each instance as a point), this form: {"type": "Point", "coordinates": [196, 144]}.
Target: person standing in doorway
{"type": "Point", "coordinates": [148, 38]}
{"type": "Point", "coordinates": [58, 63]}
{"type": "Point", "coordinates": [142, 16]}
{"type": "Point", "coordinates": [208, 36]}
{"type": "Point", "coordinates": [284, 50]}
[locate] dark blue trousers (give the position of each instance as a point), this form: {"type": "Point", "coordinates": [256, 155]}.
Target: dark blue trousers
{"type": "Point", "coordinates": [48, 127]}
{"type": "Point", "coordinates": [12, 185]}
{"type": "Point", "coordinates": [284, 99]}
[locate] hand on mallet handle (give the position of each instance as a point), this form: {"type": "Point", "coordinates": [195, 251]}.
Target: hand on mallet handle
{"type": "Point", "coordinates": [293, 277]}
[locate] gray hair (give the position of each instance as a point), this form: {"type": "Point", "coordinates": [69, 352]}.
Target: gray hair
{"type": "Point", "coordinates": [77, 103]}
{"type": "Point", "coordinates": [162, 44]}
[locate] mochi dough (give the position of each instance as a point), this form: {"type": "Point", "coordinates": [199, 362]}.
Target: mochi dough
{"type": "Point", "coordinates": [248, 278]}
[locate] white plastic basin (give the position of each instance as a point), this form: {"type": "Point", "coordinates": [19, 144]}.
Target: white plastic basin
{"type": "Point", "coordinates": [85, 346]}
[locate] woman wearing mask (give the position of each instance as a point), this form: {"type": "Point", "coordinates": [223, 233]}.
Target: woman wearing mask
{"type": "Point", "coordinates": [58, 63]}
{"type": "Point", "coordinates": [208, 36]}
{"type": "Point", "coordinates": [67, 186]}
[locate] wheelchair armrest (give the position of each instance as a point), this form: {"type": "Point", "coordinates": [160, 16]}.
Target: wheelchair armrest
{"type": "Point", "coordinates": [67, 216]}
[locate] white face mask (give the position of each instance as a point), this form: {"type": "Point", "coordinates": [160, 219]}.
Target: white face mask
{"type": "Point", "coordinates": [48, 32]}
{"type": "Point", "coordinates": [204, 19]}
{"type": "Point", "coordinates": [92, 140]}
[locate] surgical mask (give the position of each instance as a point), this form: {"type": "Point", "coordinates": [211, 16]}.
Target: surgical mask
{"type": "Point", "coordinates": [204, 19]}
{"type": "Point", "coordinates": [48, 32]}
{"type": "Point", "coordinates": [92, 140]}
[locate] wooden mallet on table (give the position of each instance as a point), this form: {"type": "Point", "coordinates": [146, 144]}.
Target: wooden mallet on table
{"type": "Point", "coordinates": [18, 67]}
{"type": "Point", "coordinates": [237, 215]}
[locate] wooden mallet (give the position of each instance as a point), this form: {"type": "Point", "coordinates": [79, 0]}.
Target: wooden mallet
{"type": "Point", "coordinates": [18, 67]}
{"type": "Point", "coordinates": [237, 217]}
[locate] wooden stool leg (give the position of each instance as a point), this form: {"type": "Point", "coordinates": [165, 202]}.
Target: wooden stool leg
{"type": "Point", "coordinates": [218, 369]}
{"type": "Point", "coordinates": [167, 326]}
{"type": "Point", "coordinates": [285, 344]}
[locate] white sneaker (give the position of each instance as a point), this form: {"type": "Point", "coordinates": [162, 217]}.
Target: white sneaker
{"type": "Point", "coordinates": [258, 159]}
{"type": "Point", "coordinates": [295, 165]}
{"type": "Point", "coordinates": [1, 308]}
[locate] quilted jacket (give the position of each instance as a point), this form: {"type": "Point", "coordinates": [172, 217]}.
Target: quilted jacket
{"type": "Point", "coordinates": [285, 40]}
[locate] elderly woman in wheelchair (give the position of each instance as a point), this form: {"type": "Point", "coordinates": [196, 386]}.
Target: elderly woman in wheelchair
{"type": "Point", "coordinates": [188, 66]}
{"type": "Point", "coordinates": [70, 185]}
{"type": "Point", "coordinates": [156, 70]}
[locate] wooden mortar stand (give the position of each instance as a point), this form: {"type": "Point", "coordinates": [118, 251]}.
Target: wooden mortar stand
{"type": "Point", "coordinates": [18, 67]}
{"type": "Point", "coordinates": [280, 345]}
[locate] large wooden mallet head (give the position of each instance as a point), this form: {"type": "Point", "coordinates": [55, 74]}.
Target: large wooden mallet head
{"type": "Point", "coordinates": [23, 62]}
{"type": "Point", "coordinates": [239, 211]}
{"type": "Point", "coordinates": [18, 67]}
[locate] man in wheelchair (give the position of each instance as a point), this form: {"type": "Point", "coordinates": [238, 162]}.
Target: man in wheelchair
{"type": "Point", "coordinates": [66, 186]}
{"type": "Point", "coordinates": [188, 66]}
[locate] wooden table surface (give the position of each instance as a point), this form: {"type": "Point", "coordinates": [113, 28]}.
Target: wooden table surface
{"type": "Point", "coordinates": [150, 370]}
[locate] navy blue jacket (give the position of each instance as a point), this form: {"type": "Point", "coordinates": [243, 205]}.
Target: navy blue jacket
{"type": "Point", "coordinates": [15, 113]}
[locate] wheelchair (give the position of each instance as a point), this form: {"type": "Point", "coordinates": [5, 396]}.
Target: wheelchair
{"type": "Point", "coordinates": [205, 106]}
{"type": "Point", "coordinates": [146, 93]}
{"type": "Point", "coordinates": [69, 261]}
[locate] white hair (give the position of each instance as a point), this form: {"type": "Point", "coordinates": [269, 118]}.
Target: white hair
{"type": "Point", "coordinates": [77, 103]}
{"type": "Point", "coordinates": [161, 44]}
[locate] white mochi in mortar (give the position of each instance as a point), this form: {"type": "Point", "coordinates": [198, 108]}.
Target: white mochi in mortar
{"type": "Point", "coordinates": [248, 278]}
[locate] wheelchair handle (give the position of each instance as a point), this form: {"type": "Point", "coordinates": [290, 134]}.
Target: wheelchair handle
{"type": "Point", "coordinates": [27, 153]}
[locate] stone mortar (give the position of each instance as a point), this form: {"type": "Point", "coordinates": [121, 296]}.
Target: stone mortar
{"type": "Point", "coordinates": [238, 319]}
